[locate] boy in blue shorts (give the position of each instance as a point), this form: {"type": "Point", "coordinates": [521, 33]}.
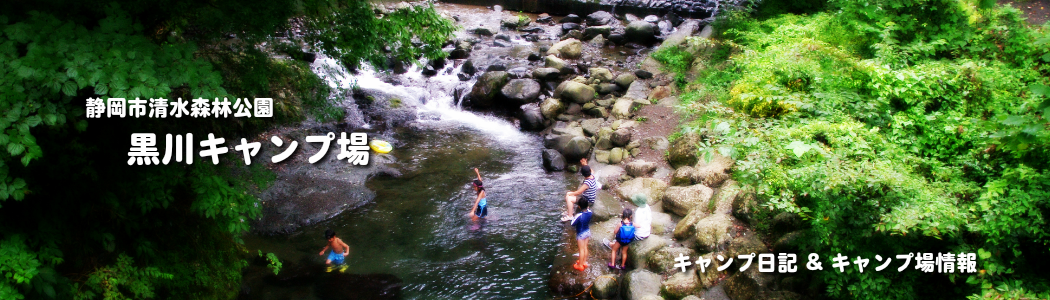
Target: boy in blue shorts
{"type": "Point", "coordinates": [339, 251]}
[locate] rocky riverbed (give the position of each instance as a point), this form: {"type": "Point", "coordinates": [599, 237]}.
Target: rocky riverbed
{"type": "Point", "coordinates": [583, 86]}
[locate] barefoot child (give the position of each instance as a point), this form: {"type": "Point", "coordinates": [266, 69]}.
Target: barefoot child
{"type": "Point", "coordinates": [339, 250]}
{"type": "Point", "coordinates": [480, 207]}
{"type": "Point", "coordinates": [624, 236]}
{"type": "Point", "coordinates": [582, 223]}
{"type": "Point", "coordinates": [588, 191]}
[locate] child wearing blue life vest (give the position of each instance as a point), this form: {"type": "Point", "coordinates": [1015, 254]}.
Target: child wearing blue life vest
{"type": "Point", "coordinates": [480, 207]}
{"type": "Point", "coordinates": [623, 238]}
{"type": "Point", "coordinates": [582, 223]}
{"type": "Point", "coordinates": [339, 251]}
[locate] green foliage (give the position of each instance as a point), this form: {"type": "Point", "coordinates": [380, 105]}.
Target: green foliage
{"type": "Point", "coordinates": [891, 126]}
{"type": "Point", "coordinates": [354, 35]}
{"type": "Point", "coordinates": [115, 231]}
{"type": "Point", "coordinates": [675, 60]}
{"type": "Point", "coordinates": [272, 262]}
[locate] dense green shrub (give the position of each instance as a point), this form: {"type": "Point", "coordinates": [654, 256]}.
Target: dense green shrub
{"type": "Point", "coordinates": [892, 127]}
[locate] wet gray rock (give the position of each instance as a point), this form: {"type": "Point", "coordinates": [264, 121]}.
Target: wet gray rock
{"type": "Point", "coordinates": [640, 283]}
{"type": "Point", "coordinates": [681, 284]}
{"type": "Point", "coordinates": [575, 92]}
{"type": "Point", "coordinates": [482, 31]}
{"type": "Point", "coordinates": [591, 127]}
{"type": "Point", "coordinates": [566, 27]}
{"type": "Point", "coordinates": [643, 74]}
{"type": "Point", "coordinates": [640, 32]}
{"type": "Point", "coordinates": [555, 63]}
{"type": "Point", "coordinates": [576, 148]}
{"type": "Point", "coordinates": [520, 73]}
{"type": "Point", "coordinates": [531, 117]}
{"type": "Point", "coordinates": [602, 74]}
{"type": "Point", "coordinates": [640, 168]}
{"type": "Point", "coordinates": [534, 57]}
{"type": "Point", "coordinates": [569, 48]}
{"type": "Point", "coordinates": [458, 54]}
{"type": "Point", "coordinates": [551, 108]}
{"type": "Point", "coordinates": [496, 67]}
{"type": "Point", "coordinates": [600, 18]}
{"type": "Point", "coordinates": [571, 18]}
{"type": "Point", "coordinates": [515, 21]}
{"type": "Point", "coordinates": [522, 91]}
{"type": "Point", "coordinates": [638, 91]}
{"type": "Point", "coordinates": [605, 287]}
{"type": "Point", "coordinates": [545, 19]}
{"type": "Point", "coordinates": [594, 31]}
{"type": "Point", "coordinates": [532, 29]}
{"type": "Point", "coordinates": [608, 88]}
{"type": "Point", "coordinates": [502, 37]}
{"type": "Point", "coordinates": [680, 200]}
{"type": "Point", "coordinates": [651, 19]}
{"type": "Point", "coordinates": [545, 73]}
{"type": "Point", "coordinates": [487, 87]}
{"type": "Point", "coordinates": [468, 67]}
{"type": "Point", "coordinates": [616, 38]}
{"type": "Point", "coordinates": [624, 80]}
{"type": "Point", "coordinates": [553, 160]}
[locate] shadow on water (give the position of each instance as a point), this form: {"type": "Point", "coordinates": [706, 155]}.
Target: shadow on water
{"type": "Point", "coordinates": [418, 227]}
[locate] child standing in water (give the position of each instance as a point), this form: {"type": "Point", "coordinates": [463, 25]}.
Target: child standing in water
{"type": "Point", "coordinates": [339, 251]}
{"type": "Point", "coordinates": [582, 223]}
{"type": "Point", "coordinates": [480, 207]}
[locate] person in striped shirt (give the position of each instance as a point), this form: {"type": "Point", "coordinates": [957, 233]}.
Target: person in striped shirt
{"type": "Point", "coordinates": [588, 191]}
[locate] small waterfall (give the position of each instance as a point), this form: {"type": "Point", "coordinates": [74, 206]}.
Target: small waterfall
{"type": "Point", "coordinates": [436, 98]}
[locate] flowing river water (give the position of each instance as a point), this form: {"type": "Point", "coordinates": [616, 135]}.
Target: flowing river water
{"type": "Point", "coordinates": [416, 234]}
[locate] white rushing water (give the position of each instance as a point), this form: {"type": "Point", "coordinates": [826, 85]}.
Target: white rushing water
{"type": "Point", "coordinates": [429, 95]}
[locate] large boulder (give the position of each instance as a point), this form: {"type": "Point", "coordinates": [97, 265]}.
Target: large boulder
{"type": "Point", "coordinates": [662, 261]}
{"type": "Point", "coordinates": [624, 80]}
{"type": "Point", "coordinates": [638, 90]}
{"type": "Point", "coordinates": [683, 150]}
{"type": "Point", "coordinates": [551, 108]}
{"type": "Point", "coordinates": [531, 117]}
{"type": "Point", "coordinates": [683, 176]}
{"type": "Point", "coordinates": [789, 243]}
{"type": "Point", "coordinates": [713, 231]}
{"type": "Point", "coordinates": [622, 108]}
{"type": "Point", "coordinates": [640, 283]}
{"type": "Point", "coordinates": [554, 62]}
{"type": "Point", "coordinates": [487, 87]}
{"type": "Point", "coordinates": [605, 287]}
{"type": "Point", "coordinates": [574, 91]}
{"type": "Point", "coordinates": [547, 73]}
{"type": "Point", "coordinates": [606, 206]}
{"type": "Point", "coordinates": [746, 244]}
{"type": "Point", "coordinates": [712, 173]}
{"type": "Point", "coordinates": [640, 251]}
{"type": "Point", "coordinates": [686, 228]}
{"type": "Point", "coordinates": [663, 224]}
{"type": "Point", "coordinates": [595, 31]}
{"type": "Point", "coordinates": [726, 197]}
{"type": "Point", "coordinates": [652, 188]}
{"type": "Point", "coordinates": [576, 148]}
{"type": "Point", "coordinates": [744, 205]}
{"type": "Point", "coordinates": [602, 74]}
{"type": "Point", "coordinates": [681, 284]}
{"type": "Point", "coordinates": [553, 160]}
{"type": "Point", "coordinates": [640, 32]}
{"type": "Point", "coordinates": [591, 127]}
{"type": "Point", "coordinates": [521, 91]}
{"type": "Point", "coordinates": [641, 168]}
{"type": "Point", "coordinates": [568, 48]}
{"type": "Point", "coordinates": [600, 18]}
{"type": "Point", "coordinates": [709, 275]}
{"type": "Point", "coordinates": [681, 200]}
{"type": "Point", "coordinates": [571, 18]}
{"type": "Point", "coordinates": [621, 137]}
